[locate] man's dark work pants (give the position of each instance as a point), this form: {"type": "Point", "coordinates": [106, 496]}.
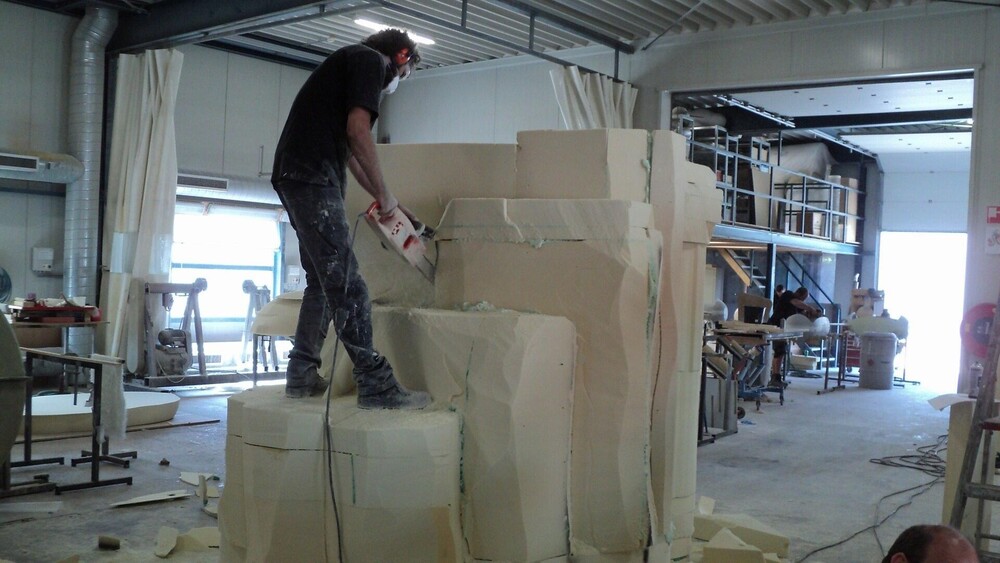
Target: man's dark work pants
{"type": "Point", "coordinates": [318, 215]}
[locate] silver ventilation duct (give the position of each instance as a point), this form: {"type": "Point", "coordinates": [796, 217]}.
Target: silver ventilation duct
{"type": "Point", "coordinates": [86, 117]}
{"type": "Point", "coordinates": [35, 166]}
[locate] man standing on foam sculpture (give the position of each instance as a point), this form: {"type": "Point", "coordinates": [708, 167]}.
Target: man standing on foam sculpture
{"type": "Point", "coordinates": [329, 129]}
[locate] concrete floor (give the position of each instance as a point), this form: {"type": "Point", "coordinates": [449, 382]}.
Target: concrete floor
{"type": "Point", "coordinates": [802, 468]}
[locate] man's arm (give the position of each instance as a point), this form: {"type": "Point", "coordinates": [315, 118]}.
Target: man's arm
{"type": "Point", "coordinates": [364, 161]}
{"type": "Point", "coordinates": [806, 308]}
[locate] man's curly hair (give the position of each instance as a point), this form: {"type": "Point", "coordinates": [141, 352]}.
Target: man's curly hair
{"type": "Point", "coordinates": [391, 41]}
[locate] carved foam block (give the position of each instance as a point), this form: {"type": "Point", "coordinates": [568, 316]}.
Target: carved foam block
{"type": "Point", "coordinates": [595, 262]}
{"type": "Point", "coordinates": [394, 472]}
{"type": "Point", "coordinates": [587, 164]}
{"type": "Point", "coordinates": [686, 207]}
{"type": "Point", "coordinates": [510, 376]}
{"type": "Point", "coordinates": [424, 177]}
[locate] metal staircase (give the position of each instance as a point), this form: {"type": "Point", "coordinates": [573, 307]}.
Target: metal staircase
{"type": "Point", "coordinates": [743, 263]}
{"type": "Point", "coordinates": [797, 275]}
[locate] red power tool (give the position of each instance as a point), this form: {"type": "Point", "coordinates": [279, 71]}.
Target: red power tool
{"type": "Point", "coordinates": [398, 233]}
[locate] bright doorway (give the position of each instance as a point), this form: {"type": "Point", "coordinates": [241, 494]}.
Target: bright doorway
{"type": "Point", "coordinates": [923, 276]}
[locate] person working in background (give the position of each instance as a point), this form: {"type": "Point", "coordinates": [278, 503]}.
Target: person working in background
{"type": "Point", "coordinates": [790, 303]}
{"type": "Point", "coordinates": [329, 130]}
{"type": "Point", "coordinates": [931, 543]}
{"type": "Point", "coordinates": [778, 290]}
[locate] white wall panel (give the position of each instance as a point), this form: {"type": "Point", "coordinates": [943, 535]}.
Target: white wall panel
{"type": "Point", "coordinates": [512, 114]}
{"type": "Point", "coordinates": [926, 202]}
{"type": "Point", "coordinates": [455, 108]}
{"type": "Point", "coordinates": [483, 102]}
{"type": "Point", "coordinates": [43, 226]}
{"type": "Point", "coordinates": [292, 80]}
{"type": "Point", "coordinates": [16, 24]}
{"type": "Point", "coordinates": [837, 50]}
{"type": "Point", "coordinates": [200, 117]}
{"type": "Point", "coordinates": [50, 81]}
{"type": "Point", "coordinates": [34, 55]}
{"type": "Point", "coordinates": [13, 232]}
{"type": "Point", "coordinates": [251, 115]}
{"type": "Point", "coordinates": [925, 162]}
{"type": "Point", "coordinates": [712, 61]}
{"type": "Point", "coordinates": [30, 221]}
{"type": "Point", "coordinates": [946, 40]}
{"type": "Point", "coordinates": [984, 269]}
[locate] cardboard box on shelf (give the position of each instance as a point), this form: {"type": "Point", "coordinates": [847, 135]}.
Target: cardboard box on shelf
{"type": "Point", "coordinates": [851, 230]}
{"type": "Point", "coordinates": [845, 229]}
{"type": "Point", "coordinates": [846, 201]}
{"type": "Point", "coordinates": [815, 223]}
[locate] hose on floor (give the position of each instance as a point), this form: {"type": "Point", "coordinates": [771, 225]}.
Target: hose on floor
{"type": "Point", "coordinates": [928, 460]}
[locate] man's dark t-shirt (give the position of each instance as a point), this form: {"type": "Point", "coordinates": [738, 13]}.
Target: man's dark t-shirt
{"type": "Point", "coordinates": [313, 146]}
{"type": "Point", "coordinates": [783, 308]}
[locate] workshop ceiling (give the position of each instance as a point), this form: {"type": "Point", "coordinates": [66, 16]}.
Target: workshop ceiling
{"type": "Point", "coordinates": [920, 113]}
{"type": "Point", "coordinates": [303, 32]}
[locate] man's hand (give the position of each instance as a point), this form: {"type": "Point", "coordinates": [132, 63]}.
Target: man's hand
{"type": "Point", "coordinates": [387, 205]}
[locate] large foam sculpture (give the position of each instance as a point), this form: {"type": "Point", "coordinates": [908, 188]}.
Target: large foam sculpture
{"type": "Point", "coordinates": [597, 263]}
{"type": "Point", "coordinates": [502, 381]}
{"type": "Point", "coordinates": [510, 375]}
{"type": "Point", "coordinates": [563, 359]}
{"type": "Point", "coordinates": [396, 482]}
{"type": "Point", "coordinates": [686, 206]}
{"type": "Point", "coordinates": [425, 177]}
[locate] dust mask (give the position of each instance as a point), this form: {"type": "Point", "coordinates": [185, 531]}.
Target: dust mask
{"type": "Point", "coordinates": [392, 85]}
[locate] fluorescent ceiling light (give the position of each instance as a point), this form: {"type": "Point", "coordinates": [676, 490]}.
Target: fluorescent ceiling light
{"type": "Point", "coordinates": [419, 39]}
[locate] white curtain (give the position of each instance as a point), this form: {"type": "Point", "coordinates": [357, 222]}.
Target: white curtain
{"type": "Point", "coordinates": [142, 183]}
{"type": "Point", "coordinates": [592, 101]}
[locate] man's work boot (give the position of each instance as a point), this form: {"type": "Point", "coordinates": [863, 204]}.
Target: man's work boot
{"type": "Point", "coordinates": [303, 380]}
{"type": "Point", "coordinates": [316, 389]}
{"type": "Point", "coordinates": [395, 397]}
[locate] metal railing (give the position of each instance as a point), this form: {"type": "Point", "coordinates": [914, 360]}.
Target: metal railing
{"type": "Point", "coordinates": [810, 206]}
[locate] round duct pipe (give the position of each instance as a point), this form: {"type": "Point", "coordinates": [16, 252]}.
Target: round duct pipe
{"type": "Point", "coordinates": [86, 117]}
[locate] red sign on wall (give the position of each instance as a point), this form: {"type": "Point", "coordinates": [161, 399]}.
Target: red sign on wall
{"type": "Point", "coordinates": [993, 214]}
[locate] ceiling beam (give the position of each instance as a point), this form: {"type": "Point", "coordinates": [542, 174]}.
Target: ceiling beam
{"type": "Point", "coordinates": [898, 117]}
{"type": "Point", "coordinates": [458, 27]}
{"type": "Point", "coordinates": [257, 53]}
{"type": "Point", "coordinates": [567, 25]}
{"type": "Point", "coordinates": [178, 22]}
